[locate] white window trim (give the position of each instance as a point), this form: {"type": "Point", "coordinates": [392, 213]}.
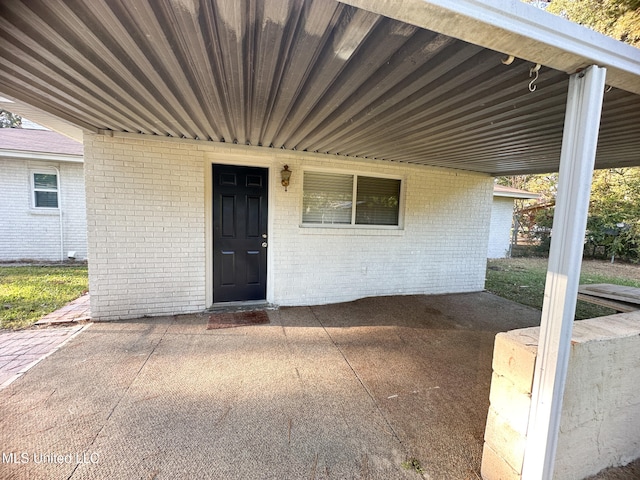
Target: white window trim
{"type": "Point", "coordinates": [353, 225]}
{"type": "Point", "coordinates": [32, 186]}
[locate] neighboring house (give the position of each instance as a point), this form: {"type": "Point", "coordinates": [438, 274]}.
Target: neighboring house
{"type": "Point", "coordinates": [502, 209]}
{"type": "Point", "coordinates": [42, 212]}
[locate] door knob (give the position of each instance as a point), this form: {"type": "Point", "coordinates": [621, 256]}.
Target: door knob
{"type": "Point", "coordinates": [264, 244]}
{"type": "Point", "coordinates": [264, 235]}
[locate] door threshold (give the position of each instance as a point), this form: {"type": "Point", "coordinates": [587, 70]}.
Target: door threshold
{"type": "Point", "coordinates": [242, 306]}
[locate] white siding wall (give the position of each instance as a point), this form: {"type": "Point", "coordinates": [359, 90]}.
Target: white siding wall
{"type": "Point", "coordinates": [500, 227]}
{"type": "Point", "coordinates": [149, 205]}
{"type": "Point", "coordinates": [34, 234]}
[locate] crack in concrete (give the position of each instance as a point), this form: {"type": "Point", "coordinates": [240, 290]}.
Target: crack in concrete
{"type": "Point", "coordinates": [124, 393]}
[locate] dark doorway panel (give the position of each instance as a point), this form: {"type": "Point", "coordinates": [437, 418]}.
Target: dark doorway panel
{"type": "Point", "coordinates": [239, 233]}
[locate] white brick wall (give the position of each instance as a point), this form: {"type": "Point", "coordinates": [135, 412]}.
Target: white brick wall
{"type": "Point", "coordinates": [500, 227]}
{"type": "Point", "coordinates": [148, 229]}
{"type": "Point", "coordinates": [34, 234]}
{"type": "Point", "coordinates": [441, 249]}
{"type": "Point", "coordinates": [145, 216]}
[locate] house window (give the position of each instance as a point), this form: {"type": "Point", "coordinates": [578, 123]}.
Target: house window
{"type": "Point", "coordinates": [328, 200]}
{"type": "Point", "coordinates": [45, 190]}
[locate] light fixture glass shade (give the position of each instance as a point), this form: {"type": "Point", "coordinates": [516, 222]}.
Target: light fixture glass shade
{"type": "Point", "coordinates": [285, 175]}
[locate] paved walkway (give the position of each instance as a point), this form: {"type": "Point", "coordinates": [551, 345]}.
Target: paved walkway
{"type": "Point", "coordinates": [76, 311]}
{"type": "Point", "coordinates": [21, 350]}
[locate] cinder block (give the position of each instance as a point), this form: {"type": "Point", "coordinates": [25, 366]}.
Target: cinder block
{"type": "Point", "coordinates": [503, 439]}
{"type": "Point", "coordinates": [495, 467]}
{"type": "Point", "coordinates": [511, 403]}
{"type": "Point", "coordinates": [514, 357]}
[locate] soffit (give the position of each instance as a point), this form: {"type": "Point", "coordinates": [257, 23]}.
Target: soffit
{"type": "Point", "coordinates": [306, 75]}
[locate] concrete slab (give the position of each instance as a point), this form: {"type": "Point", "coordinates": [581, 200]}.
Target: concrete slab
{"type": "Point", "coordinates": [337, 391]}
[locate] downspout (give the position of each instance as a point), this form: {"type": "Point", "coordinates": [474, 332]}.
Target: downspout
{"type": "Point", "coordinates": [60, 215]}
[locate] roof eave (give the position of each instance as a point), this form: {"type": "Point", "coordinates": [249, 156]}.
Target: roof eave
{"type": "Point", "coordinates": [527, 196]}
{"type": "Point", "coordinates": [53, 157]}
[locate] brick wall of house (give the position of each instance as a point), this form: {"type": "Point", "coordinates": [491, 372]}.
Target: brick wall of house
{"type": "Point", "coordinates": [442, 247]}
{"type": "Point", "coordinates": [148, 208]}
{"type": "Point", "coordinates": [145, 217]}
{"type": "Point", "coordinates": [27, 233]}
{"type": "Point", "coordinates": [500, 227]}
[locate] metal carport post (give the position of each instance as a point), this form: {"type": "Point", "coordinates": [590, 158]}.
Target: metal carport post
{"type": "Point", "coordinates": [577, 158]}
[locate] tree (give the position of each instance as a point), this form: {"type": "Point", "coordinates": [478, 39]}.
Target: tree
{"type": "Point", "coordinates": [545, 184]}
{"type": "Point", "coordinates": [9, 120]}
{"type": "Point", "coordinates": [613, 226]}
{"type": "Point", "coordinates": [614, 209]}
{"type": "Point", "coordinates": [614, 213]}
{"type": "Point", "coordinates": [619, 19]}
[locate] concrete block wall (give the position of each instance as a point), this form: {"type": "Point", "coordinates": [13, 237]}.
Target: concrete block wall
{"type": "Point", "coordinates": [149, 204]}
{"type": "Point", "coordinates": [500, 227]}
{"type": "Point", "coordinates": [600, 424]}
{"type": "Point", "coordinates": [27, 233]}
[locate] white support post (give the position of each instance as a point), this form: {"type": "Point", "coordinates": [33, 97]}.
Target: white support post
{"type": "Point", "coordinates": [579, 142]}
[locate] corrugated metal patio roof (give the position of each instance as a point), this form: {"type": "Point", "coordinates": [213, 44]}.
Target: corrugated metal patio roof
{"type": "Point", "coordinates": [307, 75]}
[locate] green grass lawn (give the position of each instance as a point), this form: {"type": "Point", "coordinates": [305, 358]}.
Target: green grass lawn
{"type": "Point", "coordinates": [522, 280]}
{"type": "Point", "coordinates": [29, 293]}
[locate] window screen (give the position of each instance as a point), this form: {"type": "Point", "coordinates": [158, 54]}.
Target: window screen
{"type": "Point", "coordinates": [327, 198]}
{"type": "Point", "coordinates": [45, 190]}
{"type": "Point", "coordinates": [378, 201]}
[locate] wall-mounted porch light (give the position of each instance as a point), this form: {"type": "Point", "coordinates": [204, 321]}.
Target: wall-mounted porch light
{"type": "Point", "coordinates": [286, 175]}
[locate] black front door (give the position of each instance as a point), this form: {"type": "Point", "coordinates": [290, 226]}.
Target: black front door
{"type": "Point", "coordinates": [239, 233]}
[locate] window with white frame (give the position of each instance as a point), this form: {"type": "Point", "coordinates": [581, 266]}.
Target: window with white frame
{"type": "Point", "coordinates": [328, 199]}
{"type": "Point", "coordinates": [45, 189]}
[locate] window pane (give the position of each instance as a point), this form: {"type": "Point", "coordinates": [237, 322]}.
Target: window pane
{"type": "Point", "coordinates": [45, 180]}
{"type": "Point", "coordinates": [327, 198]}
{"type": "Point", "coordinates": [378, 201]}
{"type": "Point", "coordinates": [47, 199]}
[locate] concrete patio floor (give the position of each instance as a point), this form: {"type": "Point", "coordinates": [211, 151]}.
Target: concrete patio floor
{"type": "Point", "coordinates": [350, 390]}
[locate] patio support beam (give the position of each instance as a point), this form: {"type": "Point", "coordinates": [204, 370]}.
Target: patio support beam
{"type": "Point", "coordinates": [579, 142]}
{"type": "Point", "coordinates": [518, 29]}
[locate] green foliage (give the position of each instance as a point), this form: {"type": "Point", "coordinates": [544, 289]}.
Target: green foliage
{"type": "Point", "coordinates": [614, 213]}
{"type": "Point", "coordinates": [413, 464]}
{"type": "Point", "coordinates": [545, 184]}
{"type": "Point", "coordinates": [619, 19]}
{"type": "Point", "coordinates": [613, 227]}
{"type": "Point", "coordinates": [29, 293]}
{"type": "Point", "coordinates": [9, 120]}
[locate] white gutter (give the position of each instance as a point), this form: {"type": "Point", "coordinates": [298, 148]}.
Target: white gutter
{"type": "Point", "coordinates": [55, 157]}
{"type": "Point", "coordinates": [528, 196]}
{"type": "Point", "coordinates": [516, 28]}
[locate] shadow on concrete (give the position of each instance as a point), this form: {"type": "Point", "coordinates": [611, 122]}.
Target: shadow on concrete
{"type": "Point", "coordinates": [350, 390]}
